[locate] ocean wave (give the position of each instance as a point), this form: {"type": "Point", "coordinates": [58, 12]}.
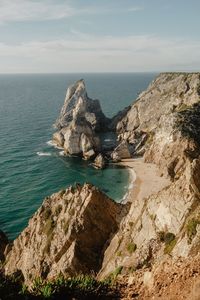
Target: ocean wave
{"type": "Point", "coordinates": [52, 144]}
{"type": "Point", "coordinates": [43, 153]}
{"type": "Point", "coordinates": [62, 153]}
{"type": "Point", "coordinates": [108, 140]}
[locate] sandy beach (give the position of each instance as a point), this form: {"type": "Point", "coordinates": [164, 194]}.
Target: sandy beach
{"type": "Point", "coordinates": [144, 179]}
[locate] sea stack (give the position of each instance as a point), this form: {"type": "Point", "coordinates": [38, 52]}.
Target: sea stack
{"type": "Point", "coordinates": [80, 120]}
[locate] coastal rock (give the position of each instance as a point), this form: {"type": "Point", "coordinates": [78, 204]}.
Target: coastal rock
{"type": "Point", "coordinates": [79, 121]}
{"type": "Point", "coordinates": [67, 235]}
{"type": "Point", "coordinates": [99, 162]}
{"type": "Point", "coordinates": [154, 112]}
{"type": "Point", "coordinates": [3, 244]}
{"type": "Point", "coordinates": [121, 151]}
{"type": "Point", "coordinates": [164, 124]}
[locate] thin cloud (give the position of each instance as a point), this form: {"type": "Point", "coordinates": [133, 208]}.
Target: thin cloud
{"type": "Point", "coordinates": [81, 52]}
{"type": "Point", "coordinates": [29, 10]}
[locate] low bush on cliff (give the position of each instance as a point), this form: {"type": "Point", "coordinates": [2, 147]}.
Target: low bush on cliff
{"type": "Point", "coordinates": [169, 239]}
{"type": "Point", "coordinates": [80, 287]}
{"type": "Point", "coordinates": [191, 228]}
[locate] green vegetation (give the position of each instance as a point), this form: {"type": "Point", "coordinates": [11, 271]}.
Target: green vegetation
{"type": "Point", "coordinates": [191, 228]}
{"type": "Point", "coordinates": [131, 247]}
{"type": "Point", "coordinates": [80, 287]}
{"type": "Point", "coordinates": [113, 276]}
{"type": "Point", "coordinates": [170, 246]}
{"type": "Point", "coordinates": [169, 239]}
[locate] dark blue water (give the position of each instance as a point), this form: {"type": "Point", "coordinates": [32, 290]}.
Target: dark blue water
{"type": "Point", "coordinates": [29, 105]}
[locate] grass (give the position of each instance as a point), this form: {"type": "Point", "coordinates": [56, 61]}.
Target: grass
{"type": "Point", "coordinates": [113, 276]}
{"type": "Point", "coordinates": [79, 287]}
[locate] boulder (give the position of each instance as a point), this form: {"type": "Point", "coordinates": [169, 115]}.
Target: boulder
{"type": "Point", "coordinates": [99, 162]}
{"type": "Point", "coordinates": [121, 151]}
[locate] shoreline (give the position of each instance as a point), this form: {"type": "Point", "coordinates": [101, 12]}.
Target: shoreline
{"type": "Point", "coordinates": [144, 179]}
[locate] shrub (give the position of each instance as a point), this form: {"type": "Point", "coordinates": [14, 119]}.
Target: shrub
{"type": "Point", "coordinates": [170, 246]}
{"type": "Point", "coordinates": [191, 228]}
{"type": "Point", "coordinates": [131, 247]}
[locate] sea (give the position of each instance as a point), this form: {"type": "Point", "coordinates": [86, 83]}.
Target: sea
{"type": "Point", "coordinates": [30, 167]}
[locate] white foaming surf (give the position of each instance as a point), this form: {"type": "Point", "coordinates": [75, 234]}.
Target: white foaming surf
{"type": "Point", "coordinates": [52, 144]}
{"type": "Point", "coordinates": [43, 153]}
{"type": "Point", "coordinates": [62, 153]}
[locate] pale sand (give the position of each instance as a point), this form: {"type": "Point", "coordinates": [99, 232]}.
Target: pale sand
{"type": "Point", "coordinates": [145, 179]}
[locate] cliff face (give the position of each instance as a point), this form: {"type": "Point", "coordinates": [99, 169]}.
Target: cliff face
{"type": "Point", "coordinates": [66, 235]}
{"type": "Point", "coordinates": [154, 112]}
{"type": "Point", "coordinates": [79, 121]}
{"type": "Point", "coordinates": [166, 222]}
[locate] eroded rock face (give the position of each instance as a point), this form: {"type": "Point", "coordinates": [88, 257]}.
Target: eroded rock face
{"type": "Point", "coordinates": [66, 235]}
{"type": "Point", "coordinates": [165, 120]}
{"type": "Point", "coordinates": [121, 151]}
{"type": "Point", "coordinates": [152, 119]}
{"type": "Point", "coordinates": [79, 121]}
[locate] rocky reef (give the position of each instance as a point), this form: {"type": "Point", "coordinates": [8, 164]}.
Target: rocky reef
{"type": "Point", "coordinates": [148, 242]}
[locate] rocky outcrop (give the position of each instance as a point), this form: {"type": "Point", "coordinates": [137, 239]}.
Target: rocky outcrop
{"type": "Point", "coordinates": [79, 121]}
{"type": "Point", "coordinates": [67, 235]}
{"type": "Point", "coordinates": [166, 223]}
{"type": "Point", "coordinates": [99, 162]}
{"type": "Point", "coordinates": [152, 117]}
{"type": "Point", "coordinates": [3, 244]}
{"type": "Point", "coordinates": [121, 151]}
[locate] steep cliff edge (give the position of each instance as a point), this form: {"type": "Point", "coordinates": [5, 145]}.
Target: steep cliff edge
{"type": "Point", "coordinates": [67, 235]}
{"type": "Point", "coordinates": [166, 223]}
{"type": "Point", "coordinates": [79, 121]}
{"type": "Point", "coordinates": [151, 124]}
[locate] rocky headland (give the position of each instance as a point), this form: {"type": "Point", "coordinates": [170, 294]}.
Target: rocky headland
{"type": "Point", "coordinates": [150, 245]}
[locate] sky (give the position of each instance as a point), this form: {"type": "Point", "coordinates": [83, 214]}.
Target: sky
{"type": "Point", "coordinates": [71, 36]}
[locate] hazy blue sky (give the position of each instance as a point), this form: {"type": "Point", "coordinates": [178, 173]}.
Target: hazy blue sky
{"type": "Point", "coordinates": [99, 35]}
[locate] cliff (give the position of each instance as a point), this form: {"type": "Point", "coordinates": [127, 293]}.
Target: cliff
{"type": "Point", "coordinates": [166, 119]}
{"type": "Point", "coordinates": [82, 230]}
{"type": "Point", "coordinates": [67, 235]}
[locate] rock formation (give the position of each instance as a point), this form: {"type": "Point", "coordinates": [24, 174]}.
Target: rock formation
{"type": "Point", "coordinates": [79, 121]}
{"type": "Point", "coordinates": [153, 114]}
{"type": "Point", "coordinates": [66, 235]}
{"type": "Point", "coordinates": [99, 162]}
{"type": "Point", "coordinates": [167, 222]}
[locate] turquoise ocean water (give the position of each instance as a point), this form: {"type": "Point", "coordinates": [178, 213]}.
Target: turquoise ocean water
{"type": "Point", "coordinates": [30, 168]}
